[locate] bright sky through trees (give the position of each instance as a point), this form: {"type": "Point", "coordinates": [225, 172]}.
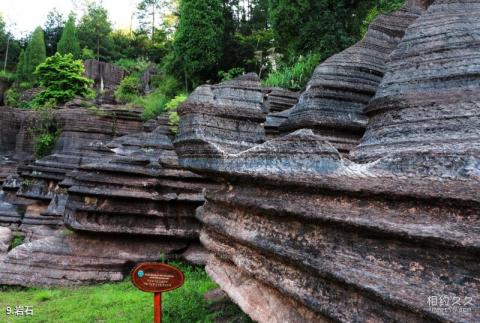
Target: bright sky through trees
{"type": "Point", "coordinates": [26, 15]}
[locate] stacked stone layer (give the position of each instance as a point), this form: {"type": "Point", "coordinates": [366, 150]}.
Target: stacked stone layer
{"type": "Point", "coordinates": [324, 238]}
{"type": "Point", "coordinates": [341, 87]}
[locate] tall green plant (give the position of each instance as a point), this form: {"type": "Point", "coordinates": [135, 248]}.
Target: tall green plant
{"type": "Point", "coordinates": [35, 54]}
{"type": "Point", "coordinates": [69, 43]}
{"type": "Point", "coordinates": [198, 43]}
{"type": "Point", "coordinates": [62, 78]}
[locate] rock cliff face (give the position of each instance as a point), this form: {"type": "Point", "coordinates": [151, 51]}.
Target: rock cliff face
{"type": "Point", "coordinates": [124, 201]}
{"type": "Point", "coordinates": [105, 75]}
{"type": "Point", "coordinates": [340, 87]}
{"type": "Point", "coordinates": [300, 233]}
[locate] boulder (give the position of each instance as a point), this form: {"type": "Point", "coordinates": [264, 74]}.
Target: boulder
{"type": "Point", "coordinates": [106, 76]}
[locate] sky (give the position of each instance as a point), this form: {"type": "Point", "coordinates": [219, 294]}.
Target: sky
{"type": "Point", "coordinates": [23, 16]}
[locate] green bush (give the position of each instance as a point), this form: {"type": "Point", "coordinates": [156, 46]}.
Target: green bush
{"type": "Point", "coordinates": [296, 76]}
{"type": "Point", "coordinates": [7, 77]}
{"type": "Point", "coordinates": [17, 240]}
{"type": "Point", "coordinates": [132, 65]}
{"type": "Point", "coordinates": [44, 132]}
{"type": "Point", "coordinates": [171, 107]}
{"type": "Point", "coordinates": [62, 78]}
{"type": "Point", "coordinates": [87, 53]}
{"type": "Point", "coordinates": [383, 6]}
{"type": "Point", "coordinates": [12, 97]}
{"type": "Point", "coordinates": [166, 84]}
{"type": "Point", "coordinates": [154, 104]}
{"type": "Point", "coordinates": [129, 89]}
{"type": "Point", "coordinates": [231, 73]}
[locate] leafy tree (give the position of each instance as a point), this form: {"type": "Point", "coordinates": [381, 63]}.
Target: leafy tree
{"type": "Point", "coordinates": [34, 55]}
{"type": "Point", "coordinates": [69, 43]}
{"type": "Point", "coordinates": [94, 31]}
{"type": "Point", "coordinates": [198, 43]}
{"type": "Point", "coordinates": [62, 78]}
{"type": "Point", "coordinates": [9, 48]}
{"type": "Point", "coordinates": [148, 12]}
{"type": "Point", "coordinates": [53, 29]}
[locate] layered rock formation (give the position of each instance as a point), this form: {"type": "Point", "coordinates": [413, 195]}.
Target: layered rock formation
{"type": "Point", "coordinates": [300, 233]}
{"type": "Point", "coordinates": [124, 202]}
{"type": "Point", "coordinates": [105, 75]}
{"type": "Point", "coordinates": [278, 104]}
{"type": "Point", "coordinates": [340, 88]}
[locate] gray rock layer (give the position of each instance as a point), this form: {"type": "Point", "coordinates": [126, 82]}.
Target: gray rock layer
{"type": "Point", "coordinates": [325, 238]}
{"type": "Point", "coordinates": [342, 86]}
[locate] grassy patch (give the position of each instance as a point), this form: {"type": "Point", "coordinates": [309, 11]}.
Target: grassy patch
{"type": "Point", "coordinates": [116, 303]}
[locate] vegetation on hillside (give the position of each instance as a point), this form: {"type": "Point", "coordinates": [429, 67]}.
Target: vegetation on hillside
{"type": "Point", "coordinates": [194, 42]}
{"type": "Point", "coordinates": [119, 302]}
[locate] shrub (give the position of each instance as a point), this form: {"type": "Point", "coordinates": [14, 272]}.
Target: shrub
{"type": "Point", "coordinates": [154, 104]}
{"type": "Point", "coordinates": [132, 65]}
{"type": "Point", "coordinates": [166, 84]}
{"type": "Point", "coordinates": [296, 76]}
{"type": "Point", "coordinates": [171, 107]}
{"type": "Point", "coordinates": [87, 53]}
{"type": "Point", "coordinates": [383, 6]}
{"type": "Point", "coordinates": [44, 132]}
{"type": "Point", "coordinates": [7, 77]}
{"type": "Point", "coordinates": [17, 240]}
{"type": "Point", "coordinates": [12, 97]}
{"type": "Point", "coordinates": [231, 74]}
{"type": "Point", "coordinates": [62, 79]}
{"type": "Point", "coordinates": [129, 89]}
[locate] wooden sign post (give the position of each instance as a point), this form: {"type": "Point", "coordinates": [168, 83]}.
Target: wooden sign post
{"type": "Point", "coordinates": [157, 278]}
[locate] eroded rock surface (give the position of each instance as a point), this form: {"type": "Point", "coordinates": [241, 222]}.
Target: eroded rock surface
{"type": "Point", "coordinates": [342, 86]}
{"type": "Point", "coordinates": [126, 195]}
{"type": "Point", "coordinates": [322, 237]}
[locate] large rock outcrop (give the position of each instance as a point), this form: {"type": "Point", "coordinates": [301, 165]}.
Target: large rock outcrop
{"type": "Point", "coordinates": [122, 202]}
{"type": "Point", "coordinates": [342, 86]}
{"type": "Point", "coordinates": [300, 233]}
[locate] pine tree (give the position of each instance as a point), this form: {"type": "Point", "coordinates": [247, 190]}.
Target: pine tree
{"type": "Point", "coordinates": [198, 43]}
{"type": "Point", "coordinates": [34, 54]}
{"type": "Point", "coordinates": [69, 43]}
{"type": "Point", "coordinates": [21, 66]}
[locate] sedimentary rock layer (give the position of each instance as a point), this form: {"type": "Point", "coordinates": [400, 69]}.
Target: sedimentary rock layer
{"type": "Point", "coordinates": [393, 238]}
{"type": "Point", "coordinates": [222, 119]}
{"type": "Point", "coordinates": [340, 87]}
{"type": "Point", "coordinates": [72, 259]}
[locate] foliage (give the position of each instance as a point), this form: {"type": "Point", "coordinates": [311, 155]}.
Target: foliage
{"type": "Point", "coordinates": [94, 31]}
{"type": "Point", "coordinates": [231, 73]}
{"type": "Point", "coordinates": [154, 104]}
{"type": "Point", "coordinates": [87, 53]}
{"type": "Point", "coordinates": [199, 39]}
{"type": "Point", "coordinates": [62, 79]}
{"type": "Point", "coordinates": [44, 131]}
{"type": "Point", "coordinates": [53, 29]}
{"type": "Point", "coordinates": [44, 144]}
{"type": "Point", "coordinates": [171, 108]}
{"type": "Point", "coordinates": [297, 26]}
{"type": "Point", "coordinates": [295, 76]}
{"type": "Point", "coordinates": [12, 97]}
{"type": "Point", "coordinates": [35, 54]}
{"type": "Point", "coordinates": [8, 41]}
{"type": "Point", "coordinates": [118, 302]}
{"type": "Point", "coordinates": [133, 65]}
{"type": "Point", "coordinates": [17, 240]}
{"type": "Point", "coordinates": [7, 77]}
{"type": "Point", "coordinates": [167, 85]}
{"type": "Point", "coordinates": [129, 89]}
{"type": "Point", "coordinates": [69, 43]}
{"type": "Point", "coordinates": [382, 7]}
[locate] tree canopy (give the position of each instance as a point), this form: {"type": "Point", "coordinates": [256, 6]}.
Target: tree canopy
{"type": "Point", "coordinates": [69, 43]}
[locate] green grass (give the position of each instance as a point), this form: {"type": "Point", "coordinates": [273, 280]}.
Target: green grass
{"type": "Point", "coordinates": [117, 302]}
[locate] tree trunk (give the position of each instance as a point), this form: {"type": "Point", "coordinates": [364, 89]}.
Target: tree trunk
{"type": "Point", "coordinates": [6, 55]}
